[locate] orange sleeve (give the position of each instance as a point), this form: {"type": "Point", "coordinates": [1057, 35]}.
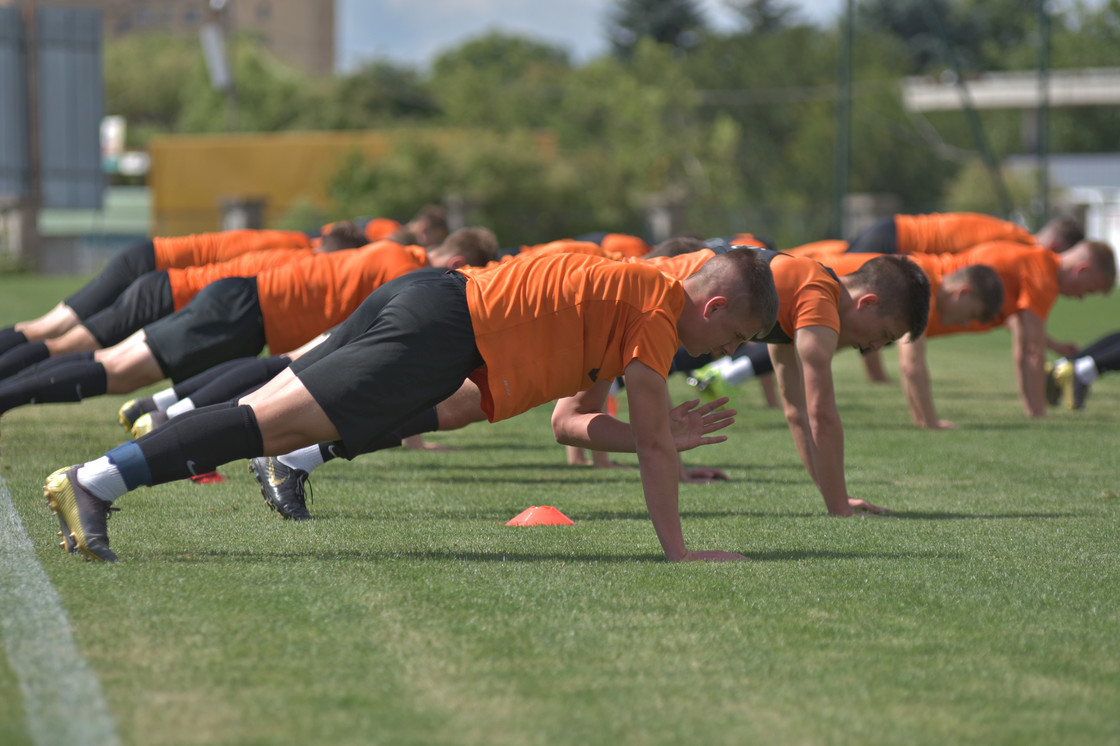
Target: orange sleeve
{"type": "Point", "coordinates": [206, 248]}
{"type": "Point", "coordinates": [305, 298]}
{"type": "Point", "coordinates": [954, 232]}
{"type": "Point", "coordinates": [551, 326]}
{"type": "Point", "coordinates": [819, 249]}
{"type": "Point", "coordinates": [187, 281]}
{"type": "Point", "coordinates": [807, 295]}
{"type": "Point", "coordinates": [681, 265]}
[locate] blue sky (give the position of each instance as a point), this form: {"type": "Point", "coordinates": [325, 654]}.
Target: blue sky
{"type": "Point", "coordinates": [412, 32]}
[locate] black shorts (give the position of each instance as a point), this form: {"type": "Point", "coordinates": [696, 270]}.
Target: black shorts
{"type": "Point", "coordinates": [221, 323]}
{"type": "Point", "coordinates": [125, 267]}
{"type": "Point", "coordinates": [879, 238]}
{"type": "Point", "coordinates": [147, 299]}
{"type": "Point", "coordinates": [409, 346]}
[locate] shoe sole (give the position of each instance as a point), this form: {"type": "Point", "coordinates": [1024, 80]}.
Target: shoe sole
{"type": "Point", "coordinates": [64, 505]}
{"type": "Point", "coordinates": [268, 502]}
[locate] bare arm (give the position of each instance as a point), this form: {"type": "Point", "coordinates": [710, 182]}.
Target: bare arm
{"type": "Point", "coordinates": [917, 385]}
{"type": "Point", "coordinates": [805, 377]}
{"type": "Point", "coordinates": [1028, 348]}
{"type": "Point", "coordinates": [657, 460]}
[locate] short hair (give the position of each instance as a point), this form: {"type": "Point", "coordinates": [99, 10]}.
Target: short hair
{"type": "Point", "coordinates": [1066, 230]}
{"type": "Point", "coordinates": [477, 246]}
{"type": "Point", "coordinates": [749, 271]}
{"type": "Point", "coordinates": [902, 287]}
{"type": "Point", "coordinates": [345, 234]}
{"type": "Point", "coordinates": [986, 286]}
{"type": "Point", "coordinates": [1102, 258]}
{"type": "Point", "coordinates": [676, 246]}
{"type": "Point", "coordinates": [435, 217]}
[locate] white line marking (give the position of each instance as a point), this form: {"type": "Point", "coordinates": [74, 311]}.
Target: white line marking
{"type": "Point", "coordinates": [61, 695]}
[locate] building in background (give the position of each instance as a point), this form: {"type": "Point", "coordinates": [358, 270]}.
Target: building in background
{"type": "Point", "coordinates": [300, 32]}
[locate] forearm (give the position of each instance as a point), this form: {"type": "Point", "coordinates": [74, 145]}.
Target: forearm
{"type": "Point", "coordinates": [918, 388]}
{"type": "Point", "coordinates": [658, 463]}
{"type": "Point", "coordinates": [597, 431]}
{"type": "Point", "coordinates": [828, 437]}
{"type": "Point", "coordinates": [1032, 385]}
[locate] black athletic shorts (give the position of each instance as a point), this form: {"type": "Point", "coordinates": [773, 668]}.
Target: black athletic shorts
{"type": "Point", "coordinates": [125, 267]}
{"type": "Point", "coordinates": [409, 346]}
{"type": "Point", "coordinates": [147, 299]}
{"type": "Point", "coordinates": [879, 238]}
{"type": "Point", "coordinates": [221, 323]}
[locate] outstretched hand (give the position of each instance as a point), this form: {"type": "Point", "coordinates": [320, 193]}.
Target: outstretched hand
{"type": "Point", "coordinates": [862, 506]}
{"type": "Point", "coordinates": [702, 475]}
{"type": "Point", "coordinates": [691, 423]}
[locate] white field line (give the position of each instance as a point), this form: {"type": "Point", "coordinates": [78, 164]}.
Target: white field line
{"type": "Point", "coordinates": [61, 695]}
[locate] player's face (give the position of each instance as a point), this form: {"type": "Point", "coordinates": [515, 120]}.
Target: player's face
{"type": "Point", "coordinates": [722, 332]}
{"type": "Point", "coordinates": [867, 329]}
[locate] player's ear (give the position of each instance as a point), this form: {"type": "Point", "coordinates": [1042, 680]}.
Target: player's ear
{"type": "Point", "coordinates": [455, 262]}
{"type": "Point", "coordinates": [867, 300]}
{"type": "Point", "coordinates": [714, 304]}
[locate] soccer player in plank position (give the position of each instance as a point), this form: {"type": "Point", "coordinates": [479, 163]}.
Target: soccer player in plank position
{"type": "Point", "coordinates": [954, 232]}
{"type": "Point", "coordinates": [284, 307]}
{"type": "Point", "coordinates": [157, 294]}
{"type": "Point", "coordinates": [969, 294]}
{"type": "Point", "coordinates": [525, 332]}
{"type": "Point", "coordinates": [817, 313]}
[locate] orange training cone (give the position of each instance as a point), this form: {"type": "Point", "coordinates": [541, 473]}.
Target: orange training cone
{"type": "Point", "coordinates": [543, 515]}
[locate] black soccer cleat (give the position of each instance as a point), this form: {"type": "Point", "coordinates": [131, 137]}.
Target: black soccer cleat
{"type": "Point", "coordinates": [133, 409]}
{"type": "Point", "coordinates": [282, 487]}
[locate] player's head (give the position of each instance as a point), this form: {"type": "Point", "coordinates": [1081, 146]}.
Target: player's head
{"type": "Point", "coordinates": [890, 298]}
{"type": "Point", "coordinates": [1089, 267]}
{"type": "Point", "coordinates": [429, 225]}
{"type": "Point", "coordinates": [970, 294]}
{"type": "Point", "coordinates": [1060, 234]}
{"type": "Point", "coordinates": [345, 234]}
{"type": "Point", "coordinates": [732, 299]}
{"type": "Point", "coordinates": [473, 247]}
{"type": "Point", "coordinates": [676, 246]}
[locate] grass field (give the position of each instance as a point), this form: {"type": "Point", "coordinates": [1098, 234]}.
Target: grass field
{"type": "Point", "coordinates": [985, 611]}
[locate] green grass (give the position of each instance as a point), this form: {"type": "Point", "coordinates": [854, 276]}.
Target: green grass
{"type": "Point", "coordinates": [986, 611]}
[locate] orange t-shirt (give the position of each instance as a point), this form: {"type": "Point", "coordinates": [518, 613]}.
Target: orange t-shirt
{"type": "Point", "coordinates": [380, 228]}
{"type": "Point", "coordinates": [187, 281]}
{"type": "Point", "coordinates": [565, 246]}
{"type": "Point", "coordinates": [818, 249]}
{"type": "Point", "coordinates": [1029, 274]}
{"type": "Point", "coordinates": [807, 296]}
{"type": "Point", "coordinates": [621, 244]}
{"type": "Point", "coordinates": [206, 248]}
{"type": "Point", "coordinates": [306, 297]}
{"type": "Point", "coordinates": [550, 326]}
{"type": "Point", "coordinates": [953, 232]}
{"type": "Point", "coordinates": [748, 239]}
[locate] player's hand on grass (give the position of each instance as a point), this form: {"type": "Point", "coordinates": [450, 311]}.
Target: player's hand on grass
{"type": "Point", "coordinates": [942, 425]}
{"type": "Point", "coordinates": [692, 423]}
{"type": "Point", "coordinates": [864, 507]}
{"type": "Point", "coordinates": [702, 475]}
{"type": "Point", "coordinates": [712, 555]}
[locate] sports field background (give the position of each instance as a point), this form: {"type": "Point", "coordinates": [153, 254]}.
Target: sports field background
{"type": "Point", "coordinates": [986, 611]}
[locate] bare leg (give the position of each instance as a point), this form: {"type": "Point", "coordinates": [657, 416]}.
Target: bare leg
{"type": "Point", "coordinates": [288, 416]}
{"type": "Point", "coordinates": [129, 365]}
{"type": "Point", "coordinates": [461, 408]}
{"type": "Point", "coordinates": [77, 339]}
{"type": "Point", "coordinates": [53, 323]}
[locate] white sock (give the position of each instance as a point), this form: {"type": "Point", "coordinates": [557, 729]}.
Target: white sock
{"type": "Point", "coordinates": [102, 478]}
{"type": "Point", "coordinates": [1085, 370]}
{"type": "Point", "coordinates": [165, 398]}
{"type": "Point", "coordinates": [738, 370]}
{"type": "Point", "coordinates": [180, 407]}
{"type": "Point", "coordinates": [306, 459]}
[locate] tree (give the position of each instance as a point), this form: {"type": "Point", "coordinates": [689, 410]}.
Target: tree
{"type": "Point", "coordinates": [674, 22]}
{"type": "Point", "coordinates": [765, 16]}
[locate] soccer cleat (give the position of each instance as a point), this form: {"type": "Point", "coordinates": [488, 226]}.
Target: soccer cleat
{"type": "Point", "coordinates": [282, 487]}
{"type": "Point", "coordinates": [709, 384]}
{"type": "Point", "coordinates": [132, 411]}
{"type": "Point", "coordinates": [1069, 385]}
{"type": "Point", "coordinates": [148, 422]}
{"type": "Point", "coordinates": [82, 516]}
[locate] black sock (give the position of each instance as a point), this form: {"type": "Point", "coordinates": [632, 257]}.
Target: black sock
{"type": "Point", "coordinates": [199, 441]}
{"type": "Point", "coordinates": [22, 356]}
{"type": "Point", "coordinates": [239, 380]}
{"type": "Point", "coordinates": [51, 363]}
{"type": "Point", "coordinates": [71, 382]}
{"type": "Point", "coordinates": [9, 338]}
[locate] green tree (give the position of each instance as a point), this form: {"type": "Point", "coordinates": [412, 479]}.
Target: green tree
{"type": "Point", "coordinates": [765, 16]}
{"type": "Point", "coordinates": [678, 23]}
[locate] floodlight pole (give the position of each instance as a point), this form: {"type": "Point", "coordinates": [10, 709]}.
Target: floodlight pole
{"type": "Point", "coordinates": [1042, 200]}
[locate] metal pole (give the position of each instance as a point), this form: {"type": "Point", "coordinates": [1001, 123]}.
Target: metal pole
{"type": "Point", "coordinates": [843, 121]}
{"type": "Point", "coordinates": [1042, 201]}
{"type": "Point", "coordinates": [30, 248]}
